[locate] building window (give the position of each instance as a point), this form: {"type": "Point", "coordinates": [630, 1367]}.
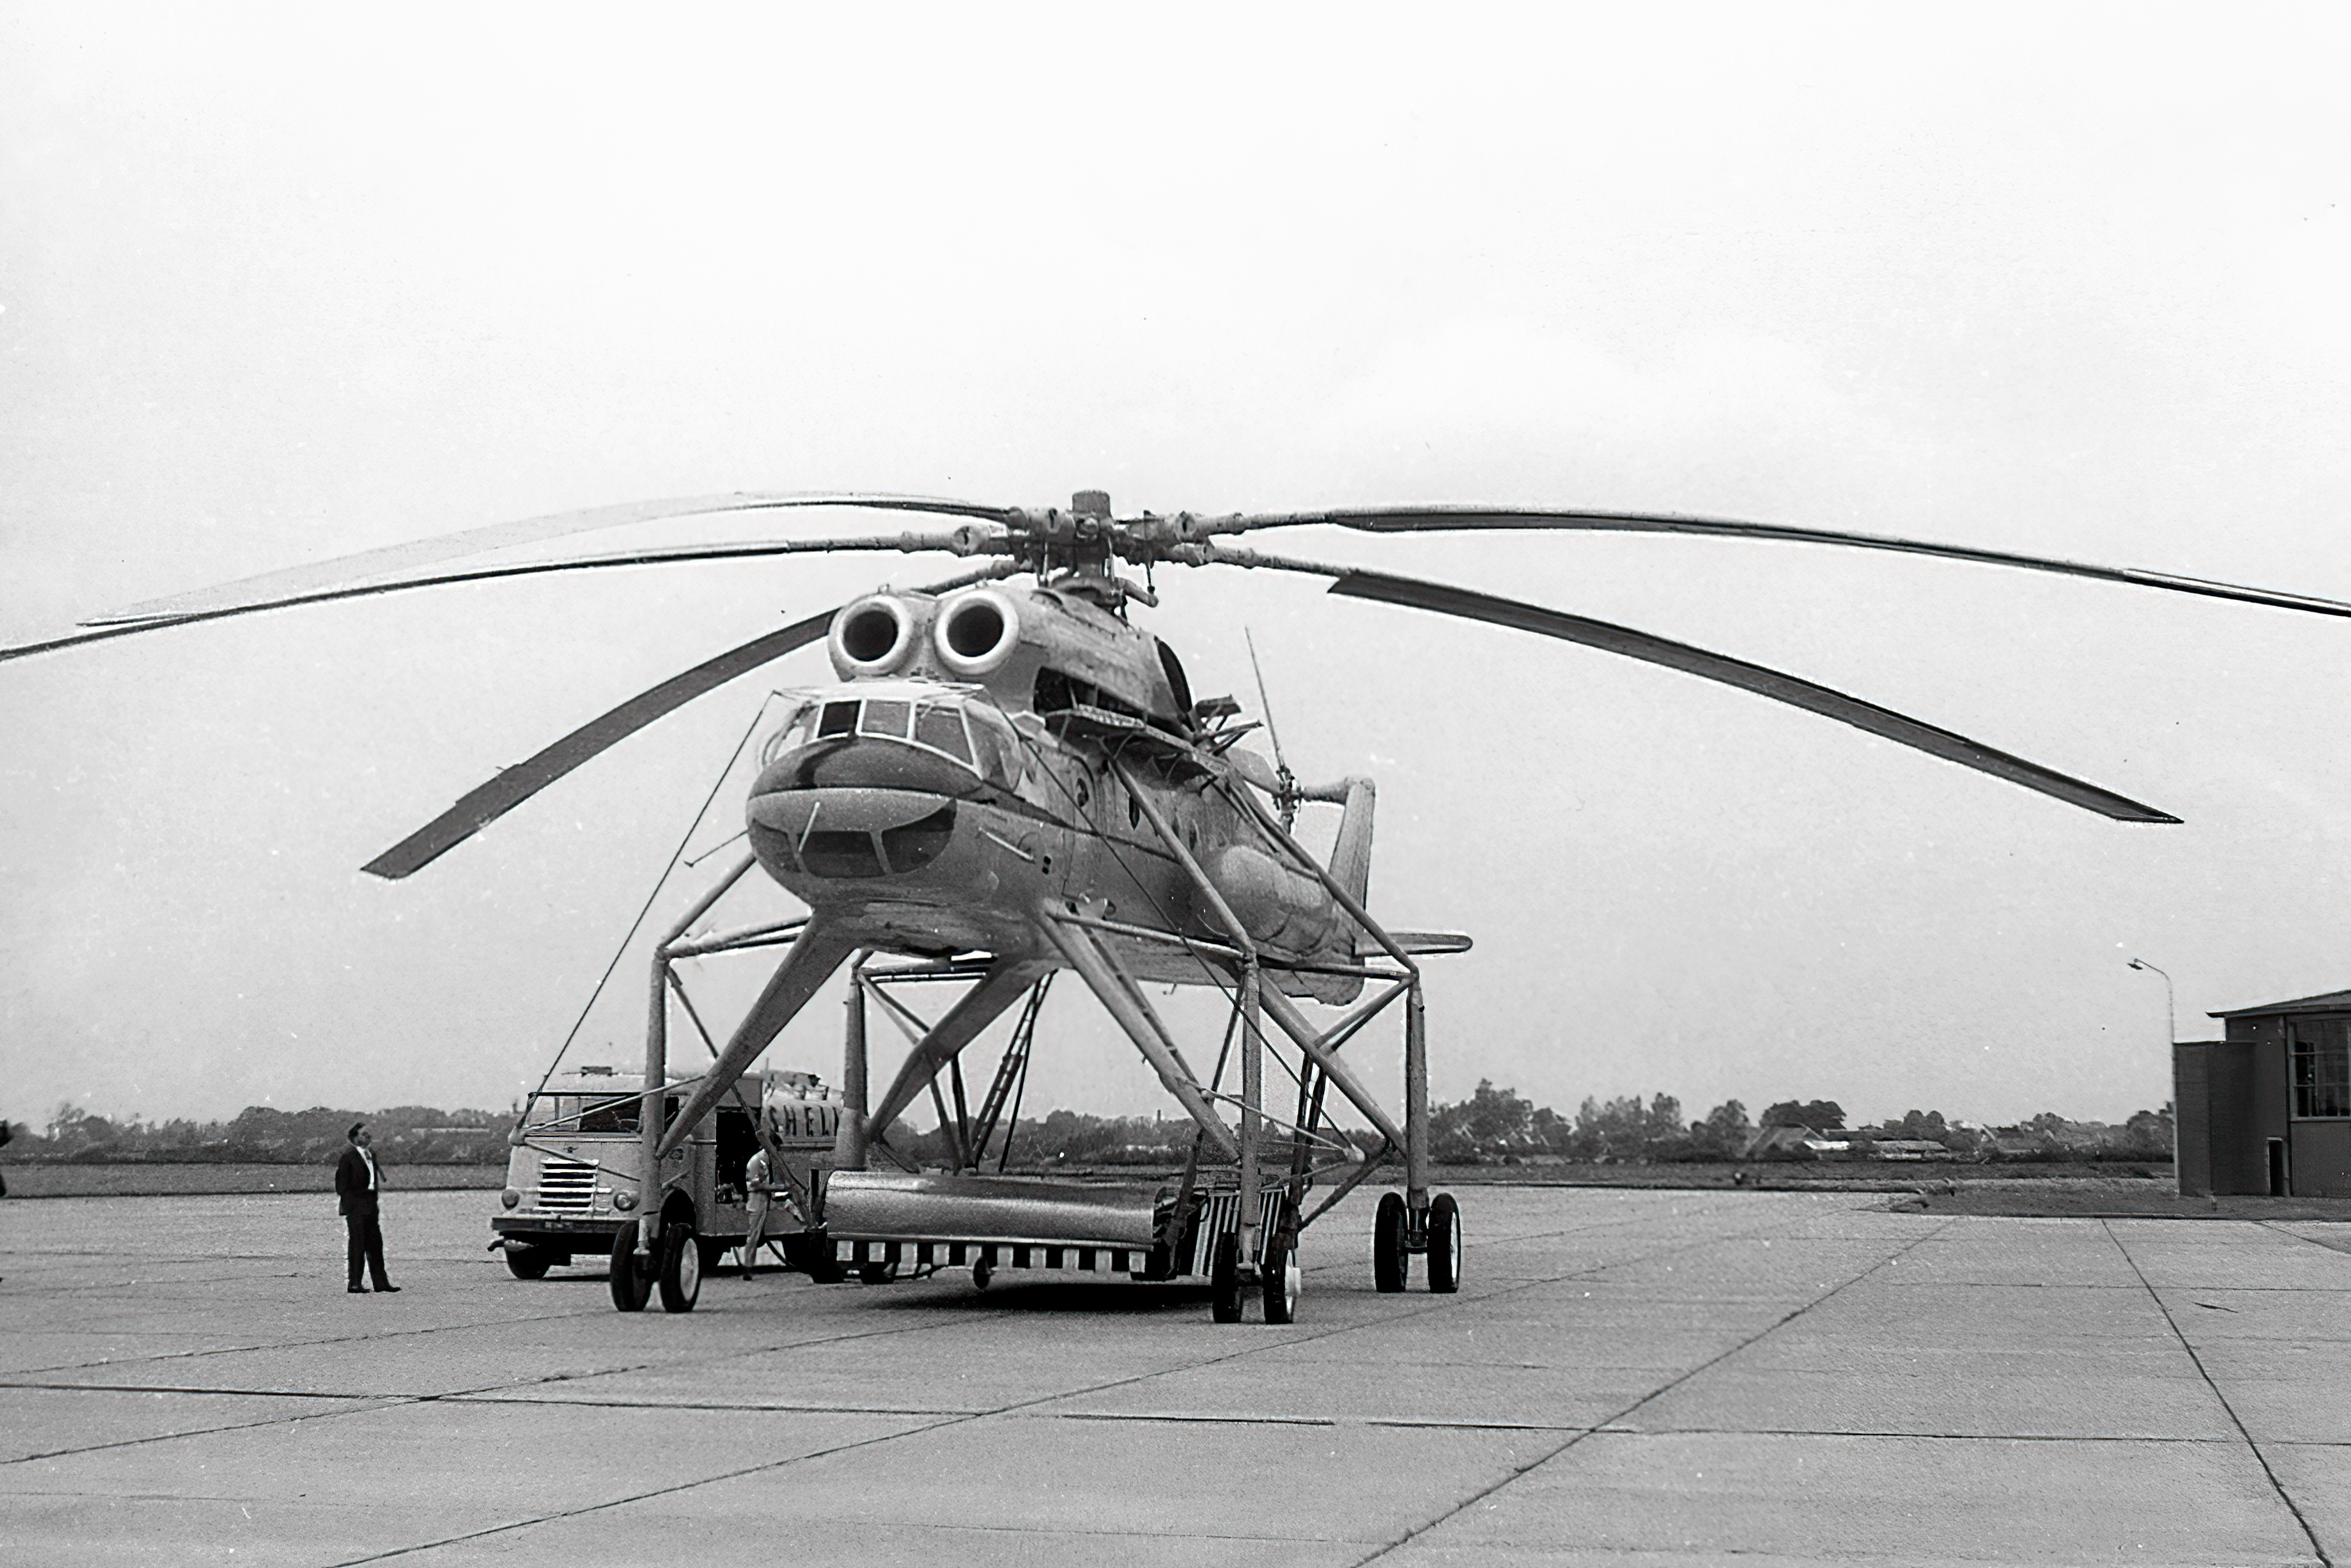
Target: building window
{"type": "Point", "coordinates": [2322, 1067]}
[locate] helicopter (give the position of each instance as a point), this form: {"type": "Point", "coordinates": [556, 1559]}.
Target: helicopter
{"type": "Point", "coordinates": [1012, 779]}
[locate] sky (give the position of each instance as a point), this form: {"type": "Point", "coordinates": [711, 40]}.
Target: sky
{"type": "Point", "coordinates": [281, 284]}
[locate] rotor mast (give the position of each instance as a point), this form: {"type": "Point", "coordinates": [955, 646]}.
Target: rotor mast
{"type": "Point", "coordinates": [1084, 543]}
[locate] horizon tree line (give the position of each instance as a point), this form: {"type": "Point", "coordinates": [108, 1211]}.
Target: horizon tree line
{"type": "Point", "coordinates": [1493, 1125]}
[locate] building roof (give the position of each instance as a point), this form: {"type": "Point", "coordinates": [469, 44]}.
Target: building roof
{"type": "Point", "coordinates": [2326, 1002]}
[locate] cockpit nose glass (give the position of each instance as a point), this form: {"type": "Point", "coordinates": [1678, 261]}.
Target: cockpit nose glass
{"type": "Point", "coordinates": [884, 716]}
{"type": "Point", "coordinates": [971, 733]}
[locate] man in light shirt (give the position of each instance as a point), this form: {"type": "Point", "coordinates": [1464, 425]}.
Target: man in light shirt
{"type": "Point", "coordinates": [759, 1188]}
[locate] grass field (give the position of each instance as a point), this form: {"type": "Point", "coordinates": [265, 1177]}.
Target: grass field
{"type": "Point", "coordinates": [178, 1180]}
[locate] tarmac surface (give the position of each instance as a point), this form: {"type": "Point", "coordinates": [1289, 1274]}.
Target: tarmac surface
{"type": "Point", "coordinates": [1626, 1378]}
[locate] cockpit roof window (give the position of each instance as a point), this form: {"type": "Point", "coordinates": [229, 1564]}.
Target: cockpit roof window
{"type": "Point", "coordinates": [839, 718]}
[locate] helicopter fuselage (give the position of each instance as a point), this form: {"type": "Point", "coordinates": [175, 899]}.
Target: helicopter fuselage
{"type": "Point", "coordinates": [999, 753]}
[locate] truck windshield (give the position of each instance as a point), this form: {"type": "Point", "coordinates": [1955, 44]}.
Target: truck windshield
{"type": "Point", "coordinates": [583, 1113]}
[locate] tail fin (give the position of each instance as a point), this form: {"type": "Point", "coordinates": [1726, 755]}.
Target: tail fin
{"type": "Point", "coordinates": [1351, 856]}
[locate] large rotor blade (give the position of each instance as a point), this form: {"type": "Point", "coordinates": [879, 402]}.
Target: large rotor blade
{"type": "Point", "coordinates": [484, 804]}
{"type": "Point", "coordinates": [1454, 520]}
{"type": "Point", "coordinates": [959, 542]}
{"type": "Point", "coordinates": [299, 584]}
{"type": "Point", "coordinates": [1793, 690]}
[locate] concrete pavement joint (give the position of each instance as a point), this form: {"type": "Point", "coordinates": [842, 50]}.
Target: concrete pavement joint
{"type": "Point", "coordinates": [1433, 1304]}
{"type": "Point", "coordinates": [2333, 1244]}
{"type": "Point", "coordinates": [1520, 1471]}
{"type": "Point", "coordinates": [362, 1405]}
{"type": "Point", "coordinates": [1856, 1432]}
{"type": "Point", "coordinates": [2256, 1448]}
{"type": "Point", "coordinates": [731, 1408]}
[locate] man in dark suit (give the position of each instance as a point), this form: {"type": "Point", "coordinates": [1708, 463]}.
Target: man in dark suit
{"type": "Point", "coordinates": [358, 1180]}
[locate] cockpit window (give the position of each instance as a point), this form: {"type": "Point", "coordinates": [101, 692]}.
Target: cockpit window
{"type": "Point", "coordinates": [939, 726]}
{"type": "Point", "coordinates": [794, 733]}
{"type": "Point", "coordinates": [971, 732]}
{"type": "Point", "coordinates": [999, 748]}
{"type": "Point", "coordinates": [884, 716]}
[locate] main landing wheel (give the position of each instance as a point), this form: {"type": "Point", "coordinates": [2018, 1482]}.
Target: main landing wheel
{"type": "Point", "coordinates": [681, 1266]}
{"type": "Point", "coordinates": [632, 1287]}
{"type": "Point", "coordinates": [1389, 1258]}
{"type": "Point", "coordinates": [1443, 1245]}
{"type": "Point", "coordinates": [1283, 1280]}
{"type": "Point", "coordinates": [1225, 1279]}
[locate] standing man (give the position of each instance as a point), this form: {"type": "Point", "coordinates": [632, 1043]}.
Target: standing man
{"type": "Point", "coordinates": [759, 1191]}
{"type": "Point", "coordinates": [358, 1180]}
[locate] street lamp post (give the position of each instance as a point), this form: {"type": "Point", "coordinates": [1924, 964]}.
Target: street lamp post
{"type": "Point", "coordinates": [2170, 1005]}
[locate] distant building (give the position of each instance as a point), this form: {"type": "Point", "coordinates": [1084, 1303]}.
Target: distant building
{"type": "Point", "coordinates": [2268, 1108]}
{"type": "Point", "coordinates": [1911, 1149]}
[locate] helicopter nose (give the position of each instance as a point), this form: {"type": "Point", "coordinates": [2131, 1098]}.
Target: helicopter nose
{"type": "Point", "coordinates": [798, 812]}
{"type": "Point", "coordinates": [851, 832]}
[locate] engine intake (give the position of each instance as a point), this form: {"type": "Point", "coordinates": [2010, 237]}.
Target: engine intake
{"type": "Point", "coordinates": [976, 632]}
{"type": "Point", "coordinates": [873, 636]}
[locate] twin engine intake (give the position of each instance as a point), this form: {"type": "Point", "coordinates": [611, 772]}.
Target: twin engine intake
{"type": "Point", "coordinates": [964, 636]}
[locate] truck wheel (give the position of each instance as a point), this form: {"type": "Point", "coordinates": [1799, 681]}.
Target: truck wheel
{"type": "Point", "coordinates": [631, 1286]}
{"type": "Point", "coordinates": [681, 1266]}
{"type": "Point", "coordinates": [1443, 1245]}
{"type": "Point", "coordinates": [1389, 1259]}
{"type": "Point", "coordinates": [529, 1262]}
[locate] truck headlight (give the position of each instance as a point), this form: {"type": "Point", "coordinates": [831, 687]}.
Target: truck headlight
{"type": "Point", "coordinates": [510, 1198]}
{"type": "Point", "coordinates": [624, 1200]}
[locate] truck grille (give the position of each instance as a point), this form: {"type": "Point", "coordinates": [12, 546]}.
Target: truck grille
{"type": "Point", "coordinates": [567, 1186]}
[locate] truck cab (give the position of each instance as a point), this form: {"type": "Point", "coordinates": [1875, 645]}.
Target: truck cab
{"type": "Point", "coordinates": [572, 1175]}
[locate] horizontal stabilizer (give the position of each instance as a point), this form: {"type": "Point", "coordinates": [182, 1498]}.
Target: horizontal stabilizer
{"type": "Point", "coordinates": [1416, 943]}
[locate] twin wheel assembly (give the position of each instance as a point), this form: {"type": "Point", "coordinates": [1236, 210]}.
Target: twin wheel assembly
{"type": "Point", "coordinates": [681, 1257]}
{"type": "Point", "coordinates": [1392, 1244]}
